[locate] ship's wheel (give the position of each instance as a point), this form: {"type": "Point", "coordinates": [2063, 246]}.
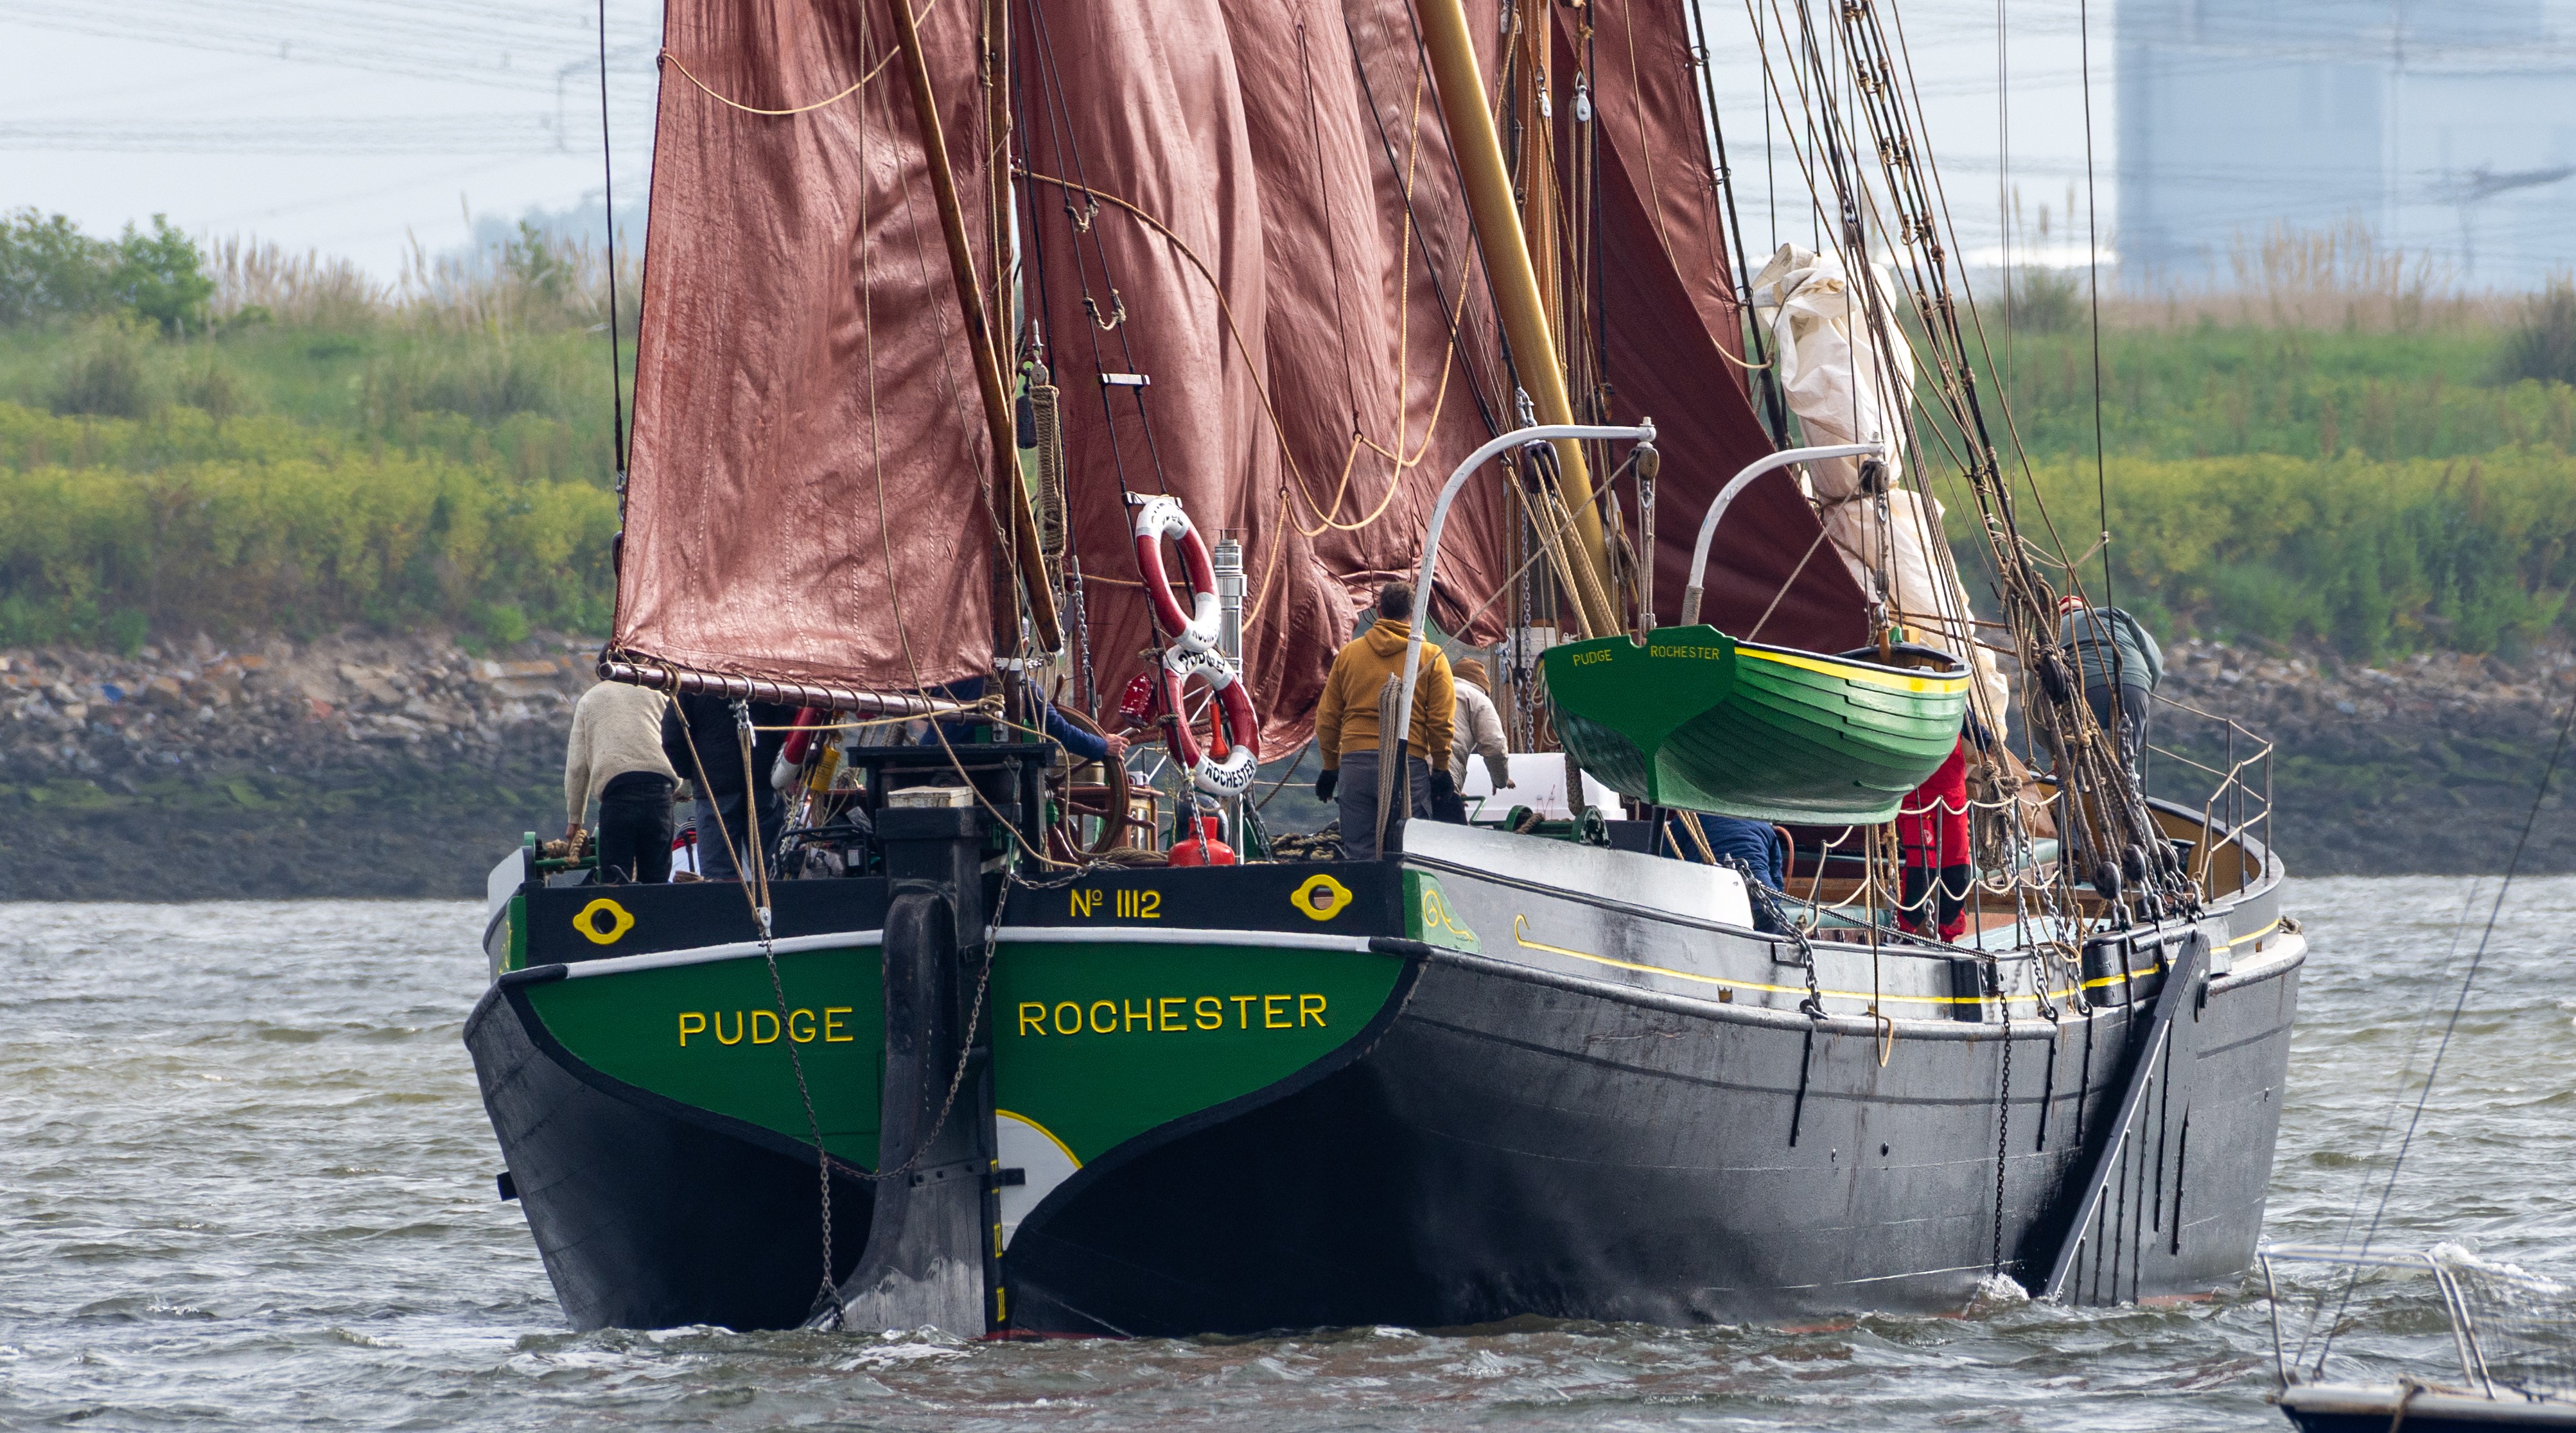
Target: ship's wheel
{"type": "Point", "coordinates": [1105, 801]}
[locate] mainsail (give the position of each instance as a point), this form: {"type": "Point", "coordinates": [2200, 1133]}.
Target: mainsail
{"type": "Point", "coordinates": [1674, 350]}
{"type": "Point", "coordinates": [1214, 208]}
{"type": "Point", "coordinates": [807, 499]}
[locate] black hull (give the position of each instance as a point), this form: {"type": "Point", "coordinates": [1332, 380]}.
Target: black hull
{"type": "Point", "coordinates": [1512, 1148]}
{"type": "Point", "coordinates": [1530, 1129]}
{"type": "Point", "coordinates": [649, 1215]}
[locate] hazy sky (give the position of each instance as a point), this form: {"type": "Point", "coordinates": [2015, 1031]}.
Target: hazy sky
{"type": "Point", "coordinates": [358, 126]}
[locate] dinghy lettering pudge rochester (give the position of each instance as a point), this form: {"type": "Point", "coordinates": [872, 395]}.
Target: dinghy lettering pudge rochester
{"type": "Point", "coordinates": [957, 324]}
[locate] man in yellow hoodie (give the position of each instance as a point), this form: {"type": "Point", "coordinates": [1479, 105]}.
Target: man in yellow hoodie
{"type": "Point", "coordinates": [1346, 726]}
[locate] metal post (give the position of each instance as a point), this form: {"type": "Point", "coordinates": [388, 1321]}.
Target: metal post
{"type": "Point", "coordinates": [1228, 562]}
{"type": "Point", "coordinates": [1737, 484]}
{"type": "Point", "coordinates": [1567, 433]}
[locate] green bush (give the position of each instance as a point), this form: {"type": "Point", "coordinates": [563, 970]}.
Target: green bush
{"type": "Point", "coordinates": [261, 522]}
{"type": "Point", "coordinates": [161, 276]}
{"type": "Point", "coordinates": [50, 270]}
{"type": "Point", "coordinates": [2375, 558]}
{"type": "Point", "coordinates": [108, 373]}
{"type": "Point", "coordinates": [2543, 345]}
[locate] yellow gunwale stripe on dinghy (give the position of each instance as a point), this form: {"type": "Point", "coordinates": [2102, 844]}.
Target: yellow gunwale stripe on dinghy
{"type": "Point", "coordinates": [1937, 686]}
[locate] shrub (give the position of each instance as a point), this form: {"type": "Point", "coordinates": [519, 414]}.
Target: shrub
{"type": "Point", "coordinates": [108, 374]}
{"type": "Point", "coordinates": [503, 622]}
{"type": "Point", "coordinates": [265, 523]}
{"type": "Point", "coordinates": [49, 269]}
{"type": "Point", "coordinates": [127, 629]}
{"type": "Point", "coordinates": [162, 276]}
{"type": "Point", "coordinates": [2543, 343]}
{"type": "Point", "coordinates": [2374, 557]}
{"type": "Point", "coordinates": [2048, 301]}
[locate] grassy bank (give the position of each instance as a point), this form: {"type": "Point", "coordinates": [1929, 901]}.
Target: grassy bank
{"type": "Point", "coordinates": [2361, 468]}
{"type": "Point", "coordinates": [243, 439]}
{"type": "Point", "coordinates": [247, 440]}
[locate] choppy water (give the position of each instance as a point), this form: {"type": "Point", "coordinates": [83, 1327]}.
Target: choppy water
{"type": "Point", "coordinates": [245, 1181]}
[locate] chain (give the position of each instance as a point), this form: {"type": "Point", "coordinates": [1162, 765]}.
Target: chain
{"type": "Point", "coordinates": [822, 1156]}
{"type": "Point", "coordinates": [757, 888]}
{"type": "Point", "coordinates": [965, 1051]}
{"type": "Point", "coordinates": [956, 1082]}
{"type": "Point", "coordinates": [1766, 907]}
{"type": "Point", "coordinates": [2003, 1126]}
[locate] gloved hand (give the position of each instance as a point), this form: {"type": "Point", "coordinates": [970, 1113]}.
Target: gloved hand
{"type": "Point", "coordinates": [1444, 787]}
{"type": "Point", "coordinates": [1326, 783]}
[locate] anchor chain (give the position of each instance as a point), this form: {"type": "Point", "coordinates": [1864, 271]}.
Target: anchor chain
{"type": "Point", "coordinates": [1767, 914]}
{"type": "Point", "coordinates": [2003, 1127]}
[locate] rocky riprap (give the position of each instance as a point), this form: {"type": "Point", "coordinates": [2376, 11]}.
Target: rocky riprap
{"type": "Point", "coordinates": [357, 765]}
{"type": "Point", "coordinates": [2426, 765]}
{"type": "Point", "coordinates": [349, 765]}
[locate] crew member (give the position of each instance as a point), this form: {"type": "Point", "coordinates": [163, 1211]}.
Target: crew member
{"type": "Point", "coordinates": [702, 742]}
{"type": "Point", "coordinates": [1758, 844]}
{"type": "Point", "coordinates": [614, 757]}
{"type": "Point", "coordinates": [1478, 731]}
{"type": "Point", "coordinates": [1346, 726]}
{"type": "Point", "coordinates": [1932, 836]}
{"type": "Point", "coordinates": [2121, 666]}
{"type": "Point", "coordinates": [1079, 744]}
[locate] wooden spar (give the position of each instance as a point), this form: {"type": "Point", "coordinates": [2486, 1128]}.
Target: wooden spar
{"type": "Point", "coordinates": [1008, 488]}
{"type": "Point", "coordinates": [1523, 309]}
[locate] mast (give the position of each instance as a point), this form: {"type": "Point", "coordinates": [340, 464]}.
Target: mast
{"type": "Point", "coordinates": [1008, 487]}
{"type": "Point", "coordinates": [1517, 297]}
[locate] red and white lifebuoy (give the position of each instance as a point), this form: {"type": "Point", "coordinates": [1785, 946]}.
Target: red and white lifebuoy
{"type": "Point", "coordinates": [1228, 770]}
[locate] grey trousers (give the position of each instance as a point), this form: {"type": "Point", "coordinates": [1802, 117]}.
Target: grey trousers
{"type": "Point", "coordinates": [1357, 799]}
{"type": "Point", "coordinates": [2130, 725]}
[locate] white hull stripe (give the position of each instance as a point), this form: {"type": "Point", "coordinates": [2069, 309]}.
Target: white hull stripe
{"type": "Point", "coordinates": [704, 954]}
{"type": "Point", "coordinates": [1011, 935]}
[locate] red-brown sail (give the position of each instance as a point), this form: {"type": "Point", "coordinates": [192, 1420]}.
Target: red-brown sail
{"type": "Point", "coordinates": [1146, 278]}
{"type": "Point", "coordinates": [1673, 346]}
{"type": "Point", "coordinates": [1371, 263]}
{"type": "Point", "coordinates": [1212, 207]}
{"type": "Point", "coordinates": [806, 497]}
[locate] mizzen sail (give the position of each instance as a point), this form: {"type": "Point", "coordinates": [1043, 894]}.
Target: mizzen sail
{"type": "Point", "coordinates": [807, 499]}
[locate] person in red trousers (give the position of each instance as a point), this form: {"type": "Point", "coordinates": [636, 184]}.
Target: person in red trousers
{"type": "Point", "coordinates": [1932, 833]}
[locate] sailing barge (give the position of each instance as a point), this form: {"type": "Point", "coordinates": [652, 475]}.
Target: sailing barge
{"type": "Point", "coordinates": [1003, 1067]}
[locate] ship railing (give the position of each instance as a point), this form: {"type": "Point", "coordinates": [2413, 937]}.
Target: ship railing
{"type": "Point", "coordinates": [2236, 814]}
{"type": "Point", "coordinates": [2513, 1333]}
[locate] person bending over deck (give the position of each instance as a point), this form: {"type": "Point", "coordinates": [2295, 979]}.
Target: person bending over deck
{"type": "Point", "coordinates": [1932, 835]}
{"type": "Point", "coordinates": [1346, 726]}
{"type": "Point", "coordinates": [2122, 666]}
{"type": "Point", "coordinates": [614, 757]}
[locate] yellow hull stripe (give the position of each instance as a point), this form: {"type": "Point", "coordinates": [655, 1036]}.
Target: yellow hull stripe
{"type": "Point", "coordinates": [1848, 672]}
{"type": "Point", "coordinates": [1520, 935]}
{"type": "Point", "coordinates": [1042, 1129]}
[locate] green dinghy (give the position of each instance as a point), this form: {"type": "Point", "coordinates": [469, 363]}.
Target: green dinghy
{"type": "Point", "coordinates": [1697, 720]}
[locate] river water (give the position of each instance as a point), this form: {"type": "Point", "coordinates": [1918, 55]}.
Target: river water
{"type": "Point", "coordinates": [245, 1181]}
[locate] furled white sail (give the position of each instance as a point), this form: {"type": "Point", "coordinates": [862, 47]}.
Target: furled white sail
{"type": "Point", "coordinates": [1846, 389]}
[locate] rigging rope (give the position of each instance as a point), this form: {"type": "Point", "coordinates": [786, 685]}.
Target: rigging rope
{"type": "Point", "coordinates": [608, 202]}
{"type": "Point", "coordinates": [879, 68]}
{"type": "Point", "coordinates": [2451, 1025]}
{"type": "Point", "coordinates": [2093, 268]}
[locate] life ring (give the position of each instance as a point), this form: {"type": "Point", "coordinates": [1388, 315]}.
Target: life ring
{"type": "Point", "coordinates": [1228, 770]}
